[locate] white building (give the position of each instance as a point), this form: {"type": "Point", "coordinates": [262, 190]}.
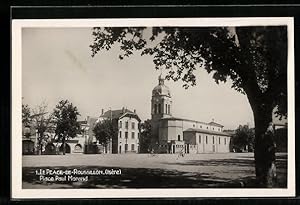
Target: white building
{"type": "Point", "coordinates": [174, 135]}
{"type": "Point", "coordinates": [127, 140]}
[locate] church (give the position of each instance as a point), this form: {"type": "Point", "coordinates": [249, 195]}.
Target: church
{"type": "Point", "coordinates": [173, 135]}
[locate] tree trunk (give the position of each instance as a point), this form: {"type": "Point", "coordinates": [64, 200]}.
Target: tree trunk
{"type": "Point", "coordinates": [40, 147]}
{"type": "Point", "coordinates": [264, 152]}
{"type": "Point", "coordinates": [64, 145]}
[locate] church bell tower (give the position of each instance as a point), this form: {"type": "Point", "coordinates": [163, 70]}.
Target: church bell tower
{"type": "Point", "coordinates": [161, 104]}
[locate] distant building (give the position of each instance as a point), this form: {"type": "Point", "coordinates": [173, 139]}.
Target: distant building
{"type": "Point", "coordinates": [127, 140]}
{"type": "Point", "coordinates": [49, 143]}
{"type": "Point", "coordinates": [173, 135]}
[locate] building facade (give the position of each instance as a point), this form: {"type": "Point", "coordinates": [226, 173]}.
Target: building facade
{"type": "Point", "coordinates": [173, 135]}
{"type": "Point", "coordinates": [127, 139]}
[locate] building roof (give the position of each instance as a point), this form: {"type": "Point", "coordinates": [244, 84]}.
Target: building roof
{"type": "Point", "coordinates": [116, 114]}
{"type": "Point", "coordinates": [215, 124]}
{"type": "Point", "coordinates": [206, 131]}
{"type": "Point", "coordinates": [161, 88]}
{"type": "Point", "coordinates": [183, 119]}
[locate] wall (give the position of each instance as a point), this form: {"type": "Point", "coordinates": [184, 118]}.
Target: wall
{"type": "Point", "coordinates": [122, 140]}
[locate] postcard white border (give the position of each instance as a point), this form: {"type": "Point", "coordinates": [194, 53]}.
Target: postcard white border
{"type": "Point", "coordinates": [16, 156]}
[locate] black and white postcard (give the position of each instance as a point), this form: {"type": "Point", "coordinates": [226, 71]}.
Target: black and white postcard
{"type": "Point", "coordinates": [157, 107]}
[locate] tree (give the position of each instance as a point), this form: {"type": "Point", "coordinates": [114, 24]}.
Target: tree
{"type": "Point", "coordinates": [243, 137]}
{"type": "Point", "coordinates": [26, 113]}
{"type": "Point", "coordinates": [105, 131]}
{"type": "Point", "coordinates": [66, 124]}
{"type": "Point", "coordinates": [42, 122]}
{"type": "Point", "coordinates": [145, 136]}
{"type": "Point", "coordinates": [253, 58]}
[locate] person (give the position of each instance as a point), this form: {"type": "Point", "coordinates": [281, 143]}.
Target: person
{"type": "Point", "coordinates": [181, 154]}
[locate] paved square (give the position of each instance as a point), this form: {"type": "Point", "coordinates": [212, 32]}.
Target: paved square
{"type": "Point", "coordinates": [158, 171]}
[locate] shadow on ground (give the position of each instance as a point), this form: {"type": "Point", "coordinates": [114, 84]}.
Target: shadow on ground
{"type": "Point", "coordinates": [158, 178]}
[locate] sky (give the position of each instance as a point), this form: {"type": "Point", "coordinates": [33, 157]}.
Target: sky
{"type": "Point", "coordinates": [57, 65]}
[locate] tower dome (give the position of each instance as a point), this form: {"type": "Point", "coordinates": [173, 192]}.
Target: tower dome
{"type": "Point", "coordinates": [161, 88]}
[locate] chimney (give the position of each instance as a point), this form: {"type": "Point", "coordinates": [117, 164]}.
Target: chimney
{"type": "Point", "coordinates": [102, 111]}
{"type": "Point", "coordinates": [134, 111]}
{"type": "Point", "coordinates": [123, 109]}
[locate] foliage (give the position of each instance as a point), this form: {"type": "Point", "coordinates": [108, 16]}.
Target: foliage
{"type": "Point", "coordinates": [254, 58]}
{"type": "Point", "coordinates": [26, 113]}
{"type": "Point", "coordinates": [105, 130]}
{"type": "Point", "coordinates": [247, 55]}
{"type": "Point", "coordinates": [42, 122]}
{"type": "Point", "coordinates": [281, 139]}
{"type": "Point", "coordinates": [244, 136]}
{"type": "Point", "coordinates": [65, 119]}
{"type": "Point", "coordinates": [146, 136]}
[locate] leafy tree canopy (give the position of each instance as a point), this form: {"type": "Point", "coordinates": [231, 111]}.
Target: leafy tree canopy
{"type": "Point", "coordinates": [105, 130]}
{"type": "Point", "coordinates": [244, 136]}
{"type": "Point", "coordinates": [26, 113]}
{"type": "Point", "coordinates": [146, 136]}
{"type": "Point", "coordinates": [254, 58]}
{"type": "Point", "coordinates": [65, 118]}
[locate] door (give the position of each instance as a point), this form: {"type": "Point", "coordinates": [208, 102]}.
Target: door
{"type": "Point", "coordinates": [120, 149]}
{"type": "Point", "coordinates": [173, 151]}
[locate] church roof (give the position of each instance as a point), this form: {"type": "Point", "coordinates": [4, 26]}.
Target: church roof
{"type": "Point", "coordinates": [161, 88]}
{"type": "Point", "coordinates": [206, 131]}
{"type": "Point", "coordinates": [183, 119]}
{"type": "Point", "coordinates": [215, 124]}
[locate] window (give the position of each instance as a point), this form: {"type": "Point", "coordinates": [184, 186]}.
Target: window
{"type": "Point", "coordinates": [120, 134]}
{"type": "Point", "coordinates": [159, 108]}
{"type": "Point", "coordinates": [155, 108]}
{"type": "Point", "coordinates": [138, 135]}
{"type": "Point", "coordinates": [120, 125]}
{"type": "Point", "coordinates": [206, 139]}
{"type": "Point", "coordinates": [206, 127]}
{"type": "Point", "coordinates": [126, 147]}
{"type": "Point", "coordinates": [200, 139]}
{"type": "Point", "coordinates": [219, 140]}
{"type": "Point", "coordinates": [178, 137]}
{"type": "Point", "coordinates": [166, 111]}
{"type": "Point", "coordinates": [133, 125]}
{"type": "Point", "coordinates": [132, 135]}
{"type": "Point", "coordinates": [213, 128]}
{"type": "Point", "coordinates": [132, 147]}
{"type": "Point", "coordinates": [193, 125]}
{"type": "Point", "coordinates": [126, 125]}
{"type": "Point", "coordinates": [169, 108]}
{"type": "Point", "coordinates": [213, 139]}
{"type": "Point", "coordinates": [126, 135]}
{"type": "Point", "coordinates": [224, 140]}
{"type": "Point", "coordinates": [200, 126]}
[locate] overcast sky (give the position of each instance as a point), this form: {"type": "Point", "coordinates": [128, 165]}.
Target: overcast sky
{"type": "Point", "coordinates": [57, 64]}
